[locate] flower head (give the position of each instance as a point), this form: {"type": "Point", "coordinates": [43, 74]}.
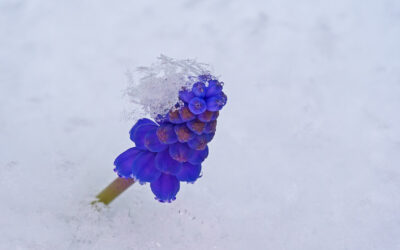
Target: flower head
{"type": "Point", "coordinates": [173, 149]}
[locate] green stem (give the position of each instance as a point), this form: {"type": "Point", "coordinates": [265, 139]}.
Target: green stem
{"type": "Point", "coordinates": [115, 188]}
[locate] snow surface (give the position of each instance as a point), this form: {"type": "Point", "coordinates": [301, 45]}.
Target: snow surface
{"type": "Point", "coordinates": [307, 150]}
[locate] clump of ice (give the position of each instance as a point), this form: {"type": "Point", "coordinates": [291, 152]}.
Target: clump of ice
{"type": "Point", "coordinates": [155, 88]}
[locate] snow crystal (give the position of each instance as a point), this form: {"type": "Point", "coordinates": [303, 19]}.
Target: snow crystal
{"type": "Point", "coordinates": [156, 90]}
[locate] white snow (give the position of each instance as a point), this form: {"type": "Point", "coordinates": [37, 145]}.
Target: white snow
{"type": "Point", "coordinates": [307, 150]}
{"type": "Point", "coordinates": [156, 88]}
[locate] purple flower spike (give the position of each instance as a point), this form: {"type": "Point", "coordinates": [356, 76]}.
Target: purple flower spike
{"type": "Point", "coordinates": [214, 87]}
{"type": "Point", "coordinates": [199, 89]}
{"type": "Point", "coordinates": [196, 126]}
{"type": "Point", "coordinates": [174, 117]}
{"type": "Point", "coordinates": [124, 162]}
{"type": "Point", "coordinates": [166, 133]}
{"type": "Point", "coordinates": [208, 116]}
{"type": "Point", "coordinates": [144, 169]}
{"type": "Point", "coordinates": [139, 123]}
{"type": "Point", "coordinates": [172, 146]}
{"type": "Point", "coordinates": [166, 164]}
{"type": "Point", "coordinates": [152, 143]}
{"type": "Point", "coordinates": [217, 102]}
{"type": "Point", "coordinates": [199, 142]}
{"type": "Point", "coordinates": [165, 188]}
{"type": "Point", "coordinates": [197, 105]}
{"type": "Point", "coordinates": [186, 95]}
{"type": "Point", "coordinates": [186, 114]}
{"type": "Point", "coordinates": [189, 172]}
{"type": "Point", "coordinates": [180, 152]}
{"type": "Point", "coordinates": [198, 156]}
{"type": "Point", "coordinates": [183, 133]}
{"type": "Point", "coordinates": [211, 127]}
{"type": "Point", "coordinates": [140, 133]}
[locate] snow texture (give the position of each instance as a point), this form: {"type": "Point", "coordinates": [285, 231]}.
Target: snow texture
{"type": "Point", "coordinates": [156, 90]}
{"type": "Point", "coordinates": [307, 150]}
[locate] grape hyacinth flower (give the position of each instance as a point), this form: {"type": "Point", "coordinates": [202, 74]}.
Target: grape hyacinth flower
{"type": "Point", "coordinates": [171, 148]}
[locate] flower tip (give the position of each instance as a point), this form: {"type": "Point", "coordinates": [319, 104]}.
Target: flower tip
{"type": "Point", "coordinates": [165, 187]}
{"type": "Point", "coordinates": [197, 105]}
{"type": "Point", "coordinates": [199, 89]}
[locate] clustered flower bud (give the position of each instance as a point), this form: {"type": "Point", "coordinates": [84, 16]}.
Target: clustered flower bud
{"type": "Point", "coordinates": [172, 150]}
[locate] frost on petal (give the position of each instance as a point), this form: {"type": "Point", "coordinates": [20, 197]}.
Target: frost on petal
{"type": "Point", "coordinates": [152, 143]}
{"type": "Point", "coordinates": [196, 126]}
{"type": "Point", "coordinates": [183, 133]}
{"type": "Point", "coordinates": [197, 105]}
{"type": "Point", "coordinates": [198, 156]}
{"type": "Point", "coordinates": [165, 188]}
{"type": "Point", "coordinates": [166, 164]}
{"type": "Point", "coordinates": [180, 152]}
{"type": "Point", "coordinates": [156, 87]}
{"type": "Point", "coordinates": [139, 123]}
{"type": "Point", "coordinates": [205, 78]}
{"type": "Point", "coordinates": [124, 162]}
{"type": "Point", "coordinates": [189, 172]}
{"type": "Point", "coordinates": [166, 133]}
{"type": "Point", "coordinates": [144, 169]}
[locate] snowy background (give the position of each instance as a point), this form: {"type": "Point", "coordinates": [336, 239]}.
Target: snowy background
{"type": "Point", "coordinates": [307, 151]}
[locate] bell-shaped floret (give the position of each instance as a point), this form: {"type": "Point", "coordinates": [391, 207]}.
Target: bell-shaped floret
{"type": "Point", "coordinates": [186, 114]}
{"type": "Point", "coordinates": [199, 89]}
{"type": "Point", "coordinates": [209, 136]}
{"type": "Point", "coordinates": [139, 123]}
{"type": "Point", "coordinates": [165, 188]}
{"type": "Point", "coordinates": [144, 169]}
{"type": "Point", "coordinates": [183, 133]}
{"type": "Point", "coordinates": [208, 116]}
{"type": "Point", "coordinates": [186, 95]}
{"type": "Point", "coordinates": [199, 142]}
{"type": "Point", "coordinates": [166, 133]}
{"type": "Point", "coordinates": [198, 156]}
{"type": "Point", "coordinates": [211, 127]}
{"type": "Point", "coordinates": [214, 88]}
{"type": "Point", "coordinates": [196, 126]}
{"type": "Point", "coordinates": [166, 164]}
{"type": "Point", "coordinates": [216, 102]}
{"type": "Point", "coordinates": [124, 162]}
{"type": "Point", "coordinates": [152, 143]}
{"type": "Point", "coordinates": [140, 133]}
{"type": "Point", "coordinates": [174, 117]}
{"type": "Point", "coordinates": [180, 151]}
{"type": "Point", "coordinates": [189, 172]}
{"type": "Point", "coordinates": [197, 105]}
